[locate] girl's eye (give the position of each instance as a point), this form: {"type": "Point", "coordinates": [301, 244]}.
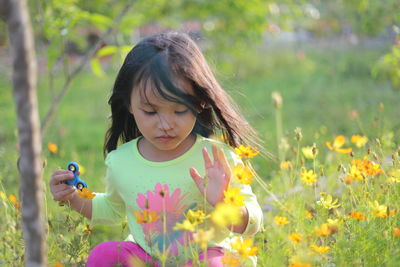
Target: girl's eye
{"type": "Point", "coordinates": [181, 112]}
{"type": "Point", "coordinates": [149, 112]}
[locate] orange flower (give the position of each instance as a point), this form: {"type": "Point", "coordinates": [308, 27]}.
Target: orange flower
{"type": "Point", "coordinates": [367, 167]}
{"type": "Point", "coordinates": [86, 194]}
{"type": "Point", "coordinates": [337, 144]}
{"type": "Point", "coordinates": [53, 148]}
{"type": "Point", "coordinates": [308, 214]}
{"type": "Point", "coordinates": [299, 264]}
{"type": "Point", "coordinates": [246, 152]}
{"type": "Point", "coordinates": [357, 215]}
{"type": "Point", "coordinates": [396, 232]}
{"type": "Point", "coordinates": [12, 198]}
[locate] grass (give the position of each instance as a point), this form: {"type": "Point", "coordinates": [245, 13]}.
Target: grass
{"type": "Point", "coordinates": [319, 89]}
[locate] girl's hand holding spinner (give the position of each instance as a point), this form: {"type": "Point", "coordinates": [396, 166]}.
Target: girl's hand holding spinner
{"type": "Point", "coordinates": [218, 175]}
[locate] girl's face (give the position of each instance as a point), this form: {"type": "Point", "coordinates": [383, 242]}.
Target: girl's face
{"type": "Point", "coordinates": [165, 125]}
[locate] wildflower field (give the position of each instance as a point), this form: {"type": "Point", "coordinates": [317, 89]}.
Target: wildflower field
{"type": "Point", "coordinates": [328, 179]}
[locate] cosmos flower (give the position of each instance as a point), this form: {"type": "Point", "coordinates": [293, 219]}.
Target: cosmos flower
{"type": "Point", "coordinates": [244, 247]}
{"type": "Point", "coordinates": [308, 177]}
{"type": "Point", "coordinates": [242, 174]}
{"type": "Point", "coordinates": [53, 148]}
{"type": "Point", "coordinates": [280, 220]}
{"type": "Point", "coordinates": [359, 140]}
{"type": "Point", "coordinates": [233, 196]}
{"type": "Point", "coordinates": [337, 144]}
{"type": "Point", "coordinates": [86, 194]}
{"type": "Point", "coordinates": [320, 249]}
{"type": "Point", "coordinates": [295, 238]}
{"type": "Point", "coordinates": [246, 152]}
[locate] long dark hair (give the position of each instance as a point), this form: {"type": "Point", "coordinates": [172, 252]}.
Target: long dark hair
{"type": "Point", "coordinates": [160, 59]}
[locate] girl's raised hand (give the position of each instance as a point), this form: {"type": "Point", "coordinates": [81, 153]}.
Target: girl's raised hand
{"type": "Point", "coordinates": [60, 190]}
{"type": "Point", "coordinates": [218, 175]}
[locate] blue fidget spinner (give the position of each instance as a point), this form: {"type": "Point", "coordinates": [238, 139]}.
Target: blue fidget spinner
{"type": "Point", "coordinates": [76, 181]}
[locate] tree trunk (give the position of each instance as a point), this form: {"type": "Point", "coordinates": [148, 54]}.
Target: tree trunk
{"type": "Point", "coordinates": [16, 16]}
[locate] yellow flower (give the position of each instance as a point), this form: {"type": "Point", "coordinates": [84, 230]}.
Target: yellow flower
{"type": "Point", "coordinates": [53, 148]}
{"type": "Point", "coordinates": [230, 260]}
{"type": "Point", "coordinates": [3, 196]}
{"type": "Point", "coordinates": [320, 249]}
{"type": "Point", "coordinates": [196, 217]}
{"type": "Point", "coordinates": [396, 232]}
{"type": "Point", "coordinates": [146, 216]}
{"type": "Point", "coordinates": [278, 220]}
{"type": "Point", "coordinates": [357, 215]}
{"type": "Point", "coordinates": [86, 194]}
{"type": "Point", "coordinates": [354, 174]}
{"type": "Point", "coordinates": [309, 177]}
{"type": "Point", "coordinates": [328, 203]}
{"type": "Point", "coordinates": [295, 238]}
{"type": "Point", "coordinates": [337, 144]}
{"type": "Point", "coordinates": [202, 237]}
{"type": "Point", "coordinates": [322, 230]}
{"type": "Point", "coordinates": [299, 264]}
{"type": "Point", "coordinates": [309, 152]}
{"type": "Point", "coordinates": [233, 196]}
{"type": "Point", "coordinates": [359, 140]}
{"type": "Point", "coordinates": [186, 225]}
{"type": "Point", "coordinates": [244, 247]}
{"type": "Point", "coordinates": [242, 174]}
{"type": "Point", "coordinates": [285, 165]}
{"type": "Point", "coordinates": [57, 264]}
{"type": "Point", "coordinates": [226, 214]}
{"type": "Point", "coordinates": [246, 152]}
{"type": "Point", "coordinates": [308, 214]}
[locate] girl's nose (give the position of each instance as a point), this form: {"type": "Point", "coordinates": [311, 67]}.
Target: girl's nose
{"type": "Point", "coordinates": [166, 123]}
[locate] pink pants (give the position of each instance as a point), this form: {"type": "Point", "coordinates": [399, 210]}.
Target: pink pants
{"type": "Point", "coordinates": [112, 253]}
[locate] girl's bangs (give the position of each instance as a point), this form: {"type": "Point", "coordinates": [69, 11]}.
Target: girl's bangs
{"type": "Point", "coordinates": [158, 76]}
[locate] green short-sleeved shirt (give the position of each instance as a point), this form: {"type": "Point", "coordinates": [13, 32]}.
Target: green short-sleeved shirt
{"type": "Point", "coordinates": [135, 184]}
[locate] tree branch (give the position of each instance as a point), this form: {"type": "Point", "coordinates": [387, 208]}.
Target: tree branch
{"type": "Point", "coordinates": [89, 54]}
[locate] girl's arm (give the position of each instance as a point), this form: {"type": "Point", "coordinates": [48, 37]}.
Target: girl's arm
{"type": "Point", "coordinates": [67, 193]}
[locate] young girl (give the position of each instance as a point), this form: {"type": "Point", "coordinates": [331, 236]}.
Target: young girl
{"type": "Point", "coordinates": [165, 105]}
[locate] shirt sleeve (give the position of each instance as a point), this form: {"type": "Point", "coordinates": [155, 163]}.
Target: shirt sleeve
{"type": "Point", "coordinates": [254, 210]}
{"type": "Point", "coordinates": [108, 207]}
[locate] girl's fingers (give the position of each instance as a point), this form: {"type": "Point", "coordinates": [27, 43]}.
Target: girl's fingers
{"type": "Point", "coordinates": [197, 179]}
{"type": "Point", "coordinates": [225, 164]}
{"type": "Point", "coordinates": [207, 161]}
{"type": "Point", "coordinates": [217, 161]}
{"type": "Point", "coordinates": [61, 187]}
{"type": "Point", "coordinates": [59, 177]}
{"type": "Point", "coordinates": [62, 195]}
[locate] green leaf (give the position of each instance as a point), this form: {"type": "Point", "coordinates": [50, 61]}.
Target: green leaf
{"type": "Point", "coordinates": [96, 67]}
{"type": "Point", "coordinates": [106, 51]}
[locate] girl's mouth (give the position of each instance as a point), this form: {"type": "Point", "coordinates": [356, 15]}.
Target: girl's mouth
{"type": "Point", "coordinates": [165, 138]}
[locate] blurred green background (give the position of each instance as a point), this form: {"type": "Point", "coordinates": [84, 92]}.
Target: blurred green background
{"type": "Point", "coordinates": [328, 59]}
